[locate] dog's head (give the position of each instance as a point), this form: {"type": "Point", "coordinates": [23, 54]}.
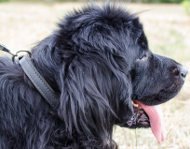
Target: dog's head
{"type": "Point", "coordinates": [103, 63]}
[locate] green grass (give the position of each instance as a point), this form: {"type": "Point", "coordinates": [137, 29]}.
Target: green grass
{"type": "Point", "coordinates": [4, 1]}
{"type": "Point", "coordinates": [186, 5]}
{"type": "Point", "coordinates": [175, 47]}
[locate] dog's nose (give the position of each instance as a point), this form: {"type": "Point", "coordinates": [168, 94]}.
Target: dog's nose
{"type": "Point", "coordinates": [183, 71]}
{"type": "Point", "coordinates": [180, 71]}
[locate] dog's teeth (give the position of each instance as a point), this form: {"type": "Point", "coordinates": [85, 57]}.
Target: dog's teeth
{"type": "Point", "coordinates": [135, 105]}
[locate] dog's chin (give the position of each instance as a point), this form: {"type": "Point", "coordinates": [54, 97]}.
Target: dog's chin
{"type": "Point", "coordinates": [174, 89]}
{"type": "Point", "coordinates": [142, 117]}
{"type": "Point", "coordinates": [164, 95]}
{"type": "Point", "coordinates": [147, 115]}
{"type": "Point", "coordinates": [139, 120]}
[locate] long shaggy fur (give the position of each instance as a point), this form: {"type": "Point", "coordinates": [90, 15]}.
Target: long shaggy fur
{"type": "Point", "coordinates": [91, 63]}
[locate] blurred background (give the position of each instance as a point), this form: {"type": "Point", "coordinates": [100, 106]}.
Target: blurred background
{"type": "Point", "coordinates": [167, 25]}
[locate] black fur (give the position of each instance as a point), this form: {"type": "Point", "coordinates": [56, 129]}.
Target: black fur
{"type": "Point", "coordinates": [98, 61]}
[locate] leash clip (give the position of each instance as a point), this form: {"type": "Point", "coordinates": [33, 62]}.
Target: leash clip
{"type": "Point", "coordinates": [15, 57]}
{"type": "Point", "coordinates": [19, 55]}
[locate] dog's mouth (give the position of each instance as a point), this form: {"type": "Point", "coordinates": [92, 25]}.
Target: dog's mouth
{"type": "Point", "coordinates": [149, 116]}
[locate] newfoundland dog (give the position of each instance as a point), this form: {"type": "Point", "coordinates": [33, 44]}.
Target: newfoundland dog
{"type": "Point", "coordinates": [103, 73]}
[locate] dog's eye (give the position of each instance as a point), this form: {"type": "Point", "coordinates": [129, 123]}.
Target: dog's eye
{"type": "Point", "coordinates": [143, 57]}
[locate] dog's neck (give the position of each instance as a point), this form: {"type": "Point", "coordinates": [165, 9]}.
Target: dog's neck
{"type": "Point", "coordinates": [46, 66]}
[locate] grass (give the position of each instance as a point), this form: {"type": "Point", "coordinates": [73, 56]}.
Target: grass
{"type": "Point", "coordinates": [167, 28]}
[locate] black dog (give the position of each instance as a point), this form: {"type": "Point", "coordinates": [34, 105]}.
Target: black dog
{"type": "Point", "coordinates": [98, 62]}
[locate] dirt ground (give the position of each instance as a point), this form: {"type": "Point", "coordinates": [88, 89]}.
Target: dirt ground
{"type": "Point", "coordinates": [167, 27]}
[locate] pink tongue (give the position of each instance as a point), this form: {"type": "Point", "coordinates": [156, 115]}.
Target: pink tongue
{"type": "Point", "coordinates": [156, 122]}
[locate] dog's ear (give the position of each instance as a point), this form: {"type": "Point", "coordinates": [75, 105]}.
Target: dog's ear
{"type": "Point", "coordinates": [91, 94]}
{"type": "Point", "coordinates": [84, 103]}
{"type": "Point", "coordinates": [94, 79]}
{"type": "Point", "coordinates": [112, 46]}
